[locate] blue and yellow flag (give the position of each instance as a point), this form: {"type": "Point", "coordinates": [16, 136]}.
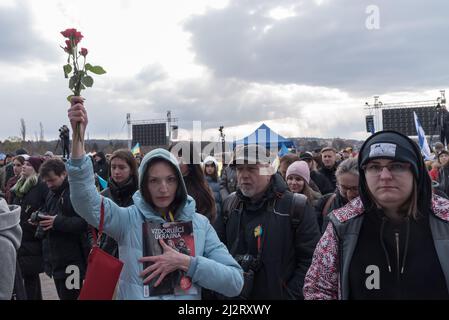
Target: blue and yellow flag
{"type": "Point", "coordinates": [136, 149]}
{"type": "Point", "coordinates": [103, 183]}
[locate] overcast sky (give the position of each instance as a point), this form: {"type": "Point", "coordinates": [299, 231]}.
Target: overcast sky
{"type": "Point", "coordinates": [305, 68]}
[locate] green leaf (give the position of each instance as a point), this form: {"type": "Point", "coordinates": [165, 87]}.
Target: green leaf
{"type": "Point", "coordinates": [87, 81]}
{"type": "Point", "coordinates": [67, 69]}
{"type": "Point", "coordinates": [69, 98]}
{"type": "Point", "coordinates": [95, 69]}
{"type": "Point", "coordinates": [72, 82]}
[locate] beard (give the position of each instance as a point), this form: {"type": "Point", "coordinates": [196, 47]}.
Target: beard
{"type": "Point", "coordinates": [247, 192]}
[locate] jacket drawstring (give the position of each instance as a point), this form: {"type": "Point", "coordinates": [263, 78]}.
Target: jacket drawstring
{"type": "Point", "coordinates": [384, 219]}
{"type": "Point", "coordinates": [407, 238]}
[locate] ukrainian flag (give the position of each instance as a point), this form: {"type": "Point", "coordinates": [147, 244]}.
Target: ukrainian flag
{"type": "Point", "coordinates": [136, 149]}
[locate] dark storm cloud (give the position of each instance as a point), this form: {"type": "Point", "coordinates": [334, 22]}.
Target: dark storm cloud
{"type": "Point", "coordinates": [328, 44]}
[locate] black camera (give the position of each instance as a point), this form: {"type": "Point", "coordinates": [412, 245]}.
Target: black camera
{"type": "Point", "coordinates": [249, 265]}
{"type": "Point", "coordinates": [35, 218]}
{"type": "Point", "coordinates": [246, 261]}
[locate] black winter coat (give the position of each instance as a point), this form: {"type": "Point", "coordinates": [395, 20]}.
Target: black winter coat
{"type": "Point", "coordinates": [323, 184]}
{"type": "Point", "coordinates": [122, 196]}
{"type": "Point", "coordinates": [286, 251]}
{"type": "Point", "coordinates": [329, 174]}
{"type": "Point", "coordinates": [30, 251]}
{"type": "Point", "coordinates": [67, 242]}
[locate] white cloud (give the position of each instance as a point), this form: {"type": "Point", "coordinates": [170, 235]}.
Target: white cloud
{"type": "Point", "coordinates": [305, 68]}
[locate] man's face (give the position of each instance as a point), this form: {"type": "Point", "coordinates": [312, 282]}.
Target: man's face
{"type": "Point", "coordinates": [328, 158]}
{"type": "Point", "coordinates": [253, 179]}
{"type": "Point", "coordinates": [54, 181]}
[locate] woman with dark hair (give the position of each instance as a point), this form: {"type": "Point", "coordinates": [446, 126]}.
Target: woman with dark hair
{"type": "Point", "coordinates": [190, 164]}
{"type": "Point", "coordinates": [392, 242]}
{"type": "Point", "coordinates": [211, 174]}
{"type": "Point", "coordinates": [122, 184]}
{"type": "Point", "coordinates": [30, 192]}
{"type": "Point", "coordinates": [18, 163]}
{"type": "Point", "coordinates": [162, 196]}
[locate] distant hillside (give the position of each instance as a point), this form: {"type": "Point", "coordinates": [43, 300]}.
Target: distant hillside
{"type": "Point", "coordinates": [108, 146]}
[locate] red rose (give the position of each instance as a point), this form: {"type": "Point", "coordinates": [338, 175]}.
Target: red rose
{"type": "Point", "coordinates": [68, 32]}
{"type": "Point", "coordinates": [83, 52]}
{"type": "Point", "coordinates": [68, 47]}
{"type": "Point", "coordinates": [77, 36]}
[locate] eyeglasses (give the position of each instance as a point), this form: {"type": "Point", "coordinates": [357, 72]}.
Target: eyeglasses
{"type": "Point", "coordinates": [395, 168]}
{"type": "Point", "coordinates": [345, 189]}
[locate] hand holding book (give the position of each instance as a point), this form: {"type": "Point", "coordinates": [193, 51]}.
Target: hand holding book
{"type": "Point", "coordinates": [164, 264]}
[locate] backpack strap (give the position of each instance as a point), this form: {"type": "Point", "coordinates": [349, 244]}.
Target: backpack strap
{"type": "Point", "coordinates": [297, 209]}
{"type": "Point", "coordinates": [232, 202]}
{"type": "Point", "coordinates": [293, 204]}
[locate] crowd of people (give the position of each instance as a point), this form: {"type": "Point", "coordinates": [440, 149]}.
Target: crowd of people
{"type": "Point", "coordinates": [372, 224]}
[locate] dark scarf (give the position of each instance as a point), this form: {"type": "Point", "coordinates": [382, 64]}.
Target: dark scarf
{"type": "Point", "coordinates": [121, 194]}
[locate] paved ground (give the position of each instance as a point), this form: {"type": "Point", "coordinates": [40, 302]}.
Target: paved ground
{"type": "Point", "coordinates": [48, 288]}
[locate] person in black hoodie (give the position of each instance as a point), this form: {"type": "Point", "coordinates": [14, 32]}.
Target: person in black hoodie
{"type": "Point", "coordinates": [122, 184]}
{"type": "Point", "coordinates": [66, 240]}
{"type": "Point", "coordinates": [101, 165]}
{"type": "Point", "coordinates": [393, 241]}
{"type": "Point", "coordinates": [30, 193]}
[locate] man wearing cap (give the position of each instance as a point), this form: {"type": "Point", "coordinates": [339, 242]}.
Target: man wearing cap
{"type": "Point", "coordinates": [319, 180]}
{"type": "Point", "coordinates": [270, 231]}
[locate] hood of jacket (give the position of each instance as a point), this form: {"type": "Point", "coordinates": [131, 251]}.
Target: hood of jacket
{"type": "Point", "coordinates": [211, 159]}
{"type": "Point", "coordinates": [9, 223]}
{"type": "Point", "coordinates": [187, 206]}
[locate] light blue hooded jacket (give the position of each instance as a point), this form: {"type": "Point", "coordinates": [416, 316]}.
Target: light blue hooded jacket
{"type": "Point", "coordinates": [212, 268]}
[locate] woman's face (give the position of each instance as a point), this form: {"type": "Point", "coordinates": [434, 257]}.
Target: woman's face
{"type": "Point", "coordinates": [390, 182]}
{"type": "Point", "coordinates": [210, 168]}
{"type": "Point", "coordinates": [17, 167]}
{"type": "Point", "coordinates": [444, 158]}
{"type": "Point", "coordinates": [120, 170]}
{"type": "Point", "coordinates": [162, 184]}
{"type": "Point", "coordinates": [27, 169]}
{"type": "Point", "coordinates": [348, 185]}
{"type": "Point", "coordinates": [295, 183]}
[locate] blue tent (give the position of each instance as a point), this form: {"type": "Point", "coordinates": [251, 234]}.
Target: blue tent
{"type": "Point", "coordinates": [264, 135]}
